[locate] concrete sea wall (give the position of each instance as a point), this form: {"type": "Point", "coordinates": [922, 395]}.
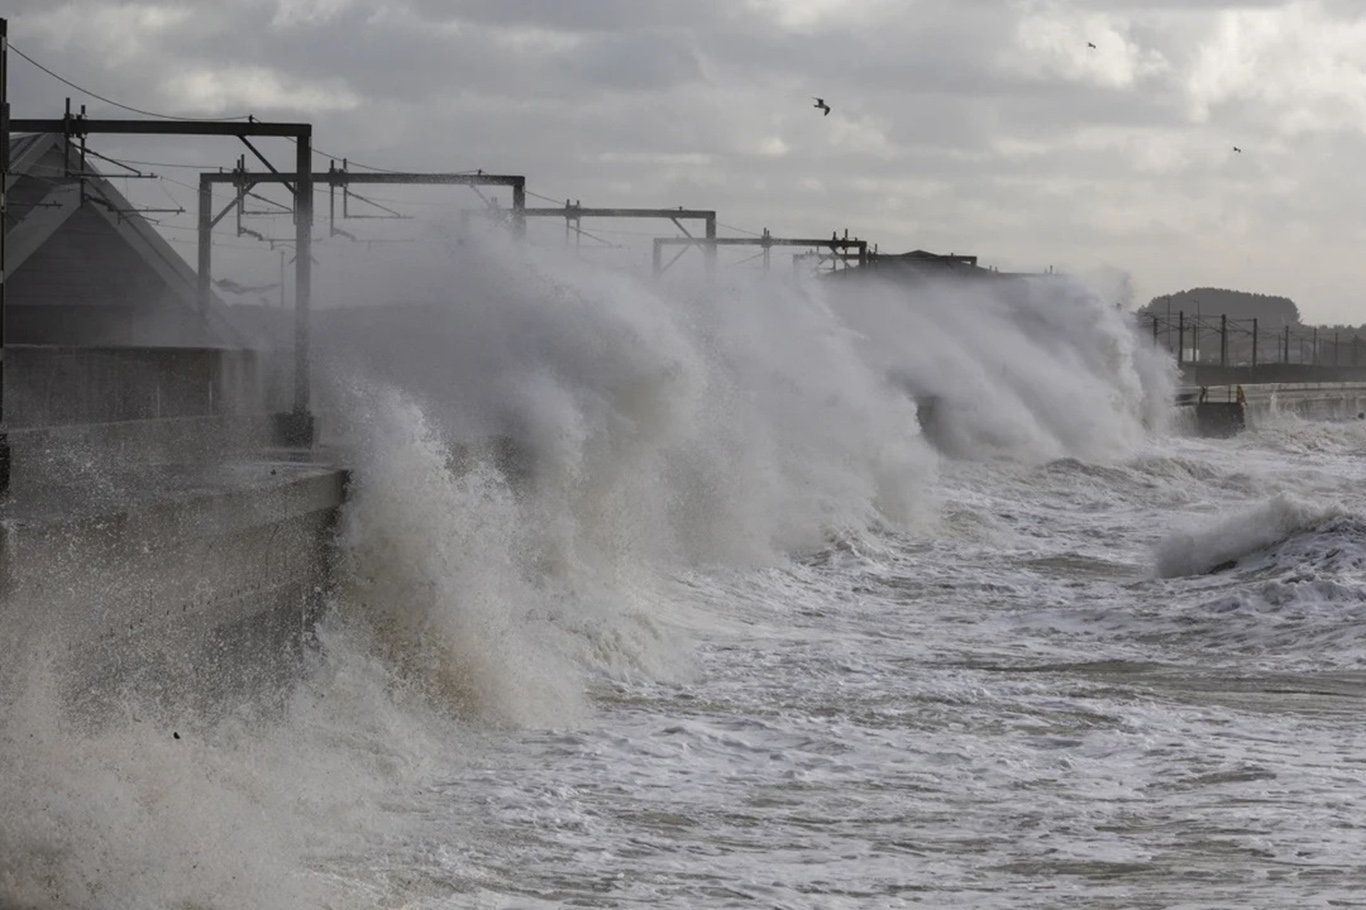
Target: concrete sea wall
{"type": "Point", "coordinates": [158, 547]}
{"type": "Point", "coordinates": [1309, 400]}
{"type": "Point", "coordinates": [49, 386]}
{"type": "Point", "coordinates": [188, 586]}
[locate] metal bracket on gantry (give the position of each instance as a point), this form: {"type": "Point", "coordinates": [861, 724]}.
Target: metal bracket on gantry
{"type": "Point", "coordinates": [844, 259]}
{"type": "Point", "coordinates": [343, 178]}
{"type": "Point", "coordinates": [840, 246]}
{"type": "Point", "coordinates": [574, 212]}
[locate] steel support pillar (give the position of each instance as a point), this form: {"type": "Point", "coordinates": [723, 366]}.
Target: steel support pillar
{"type": "Point", "coordinates": [709, 251]}
{"type": "Point", "coordinates": [205, 247]}
{"type": "Point", "coordinates": [296, 428]}
{"type": "Point", "coordinates": [4, 229]}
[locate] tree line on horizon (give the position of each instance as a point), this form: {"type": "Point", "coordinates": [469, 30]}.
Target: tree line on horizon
{"type": "Point", "coordinates": [1271, 311]}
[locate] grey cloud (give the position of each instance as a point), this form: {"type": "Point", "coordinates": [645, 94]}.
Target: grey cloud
{"type": "Point", "coordinates": [599, 15]}
{"type": "Point", "coordinates": [647, 61]}
{"type": "Point", "coordinates": [603, 115]}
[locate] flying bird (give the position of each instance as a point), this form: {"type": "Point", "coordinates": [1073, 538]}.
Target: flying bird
{"type": "Point", "coordinates": [1238, 150]}
{"type": "Point", "coordinates": [820, 103]}
{"type": "Point", "coordinates": [1090, 45]}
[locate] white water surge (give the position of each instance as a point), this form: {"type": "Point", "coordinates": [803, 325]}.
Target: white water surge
{"type": "Point", "coordinates": [718, 626]}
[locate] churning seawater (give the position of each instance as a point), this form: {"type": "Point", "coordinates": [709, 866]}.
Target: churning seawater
{"type": "Point", "coordinates": [737, 635]}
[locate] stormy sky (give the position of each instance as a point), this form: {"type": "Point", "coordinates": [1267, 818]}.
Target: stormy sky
{"type": "Point", "coordinates": [982, 126]}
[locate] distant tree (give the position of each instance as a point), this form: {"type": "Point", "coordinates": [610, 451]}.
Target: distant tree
{"type": "Point", "coordinates": [1268, 310]}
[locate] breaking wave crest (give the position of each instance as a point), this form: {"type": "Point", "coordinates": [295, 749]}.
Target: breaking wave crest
{"type": "Point", "coordinates": [538, 453]}
{"type": "Point", "coordinates": [1226, 541]}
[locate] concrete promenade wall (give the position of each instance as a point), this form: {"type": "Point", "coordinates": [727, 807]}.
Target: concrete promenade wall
{"type": "Point", "coordinates": [157, 546]}
{"type": "Point", "coordinates": [46, 386]}
{"type": "Point", "coordinates": [189, 586]}
{"type": "Point", "coordinates": [1270, 374]}
{"type": "Point", "coordinates": [1310, 400]}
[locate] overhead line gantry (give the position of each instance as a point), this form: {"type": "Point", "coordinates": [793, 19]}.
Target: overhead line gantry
{"type": "Point", "coordinates": [575, 212]}
{"type": "Point", "coordinates": [243, 182]}
{"type": "Point", "coordinates": [840, 246]}
{"type": "Point", "coordinates": [297, 425]}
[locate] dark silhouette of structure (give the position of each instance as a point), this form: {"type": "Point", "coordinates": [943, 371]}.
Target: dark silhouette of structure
{"type": "Point", "coordinates": [87, 268]}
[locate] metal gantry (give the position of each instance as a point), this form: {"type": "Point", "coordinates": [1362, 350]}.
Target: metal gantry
{"type": "Point", "coordinates": [243, 182]}
{"type": "Point", "coordinates": [302, 181]}
{"type": "Point", "coordinates": [840, 246]}
{"type": "Point", "coordinates": [573, 211]}
{"type": "Point", "coordinates": [4, 229]}
{"type": "Point", "coordinates": [297, 426]}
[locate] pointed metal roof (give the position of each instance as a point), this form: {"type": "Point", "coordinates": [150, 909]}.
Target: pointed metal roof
{"type": "Point", "coordinates": [51, 195]}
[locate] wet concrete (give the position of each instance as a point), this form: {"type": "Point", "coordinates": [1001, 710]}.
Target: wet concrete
{"type": "Point", "coordinates": [177, 585]}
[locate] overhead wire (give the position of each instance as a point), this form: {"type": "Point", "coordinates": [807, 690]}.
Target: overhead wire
{"type": "Point", "coordinates": [315, 149]}
{"type": "Point", "coordinates": [627, 233]}
{"type": "Point", "coordinates": [163, 180]}
{"type": "Point", "coordinates": [443, 204]}
{"type": "Point", "coordinates": [161, 116]}
{"type": "Point", "coordinates": [188, 167]}
{"type": "Point", "coordinates": [606, 243]}
{"type": "Point", "coordinates": [747, 259]}
{"type": "Point", "coordinates": [542, 198]}
{"type": "Point", "coordinates": [731, 227]}
{"type": "Point", "coordinates": [324, 153]}
{"type": "Point", "coordinates": [160, 225]}
{"type": "Point", "coordinates": [136, 110]}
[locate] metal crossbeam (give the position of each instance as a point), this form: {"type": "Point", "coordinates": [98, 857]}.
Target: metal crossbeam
{"type": "Point", "coordinates": [302, 177]}
{"type": "Point", "coordinates": [300, 421]}
{"type": "Point", "coordinates": [85, 126]}
{"type": "Point", "coordinates": [302, 184]}
{"type": "Point", "coordinates": [578, 211]}
{"type": "Point", "coordinates": [575, 212]}
{"type": "Point", "coordinates": [335, 177]}
{"type": "Point", "coordinates": [343, 178]}
{"type": "Point", "coordinates": [766, 241]}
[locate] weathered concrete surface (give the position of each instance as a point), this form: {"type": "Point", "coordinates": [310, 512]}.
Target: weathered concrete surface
{"type": "Point", "coordinates": [1210, 375]}
{"type": "Point", "coordinates": [47, 454]}
{"type": "Point", "coordinates": [186, 586]}
{"type": "Point", "coordinates": [47, 386]}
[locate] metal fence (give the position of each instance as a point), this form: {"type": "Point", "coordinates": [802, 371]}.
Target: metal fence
{"type": "Point", "coordinates": [1200, 342]}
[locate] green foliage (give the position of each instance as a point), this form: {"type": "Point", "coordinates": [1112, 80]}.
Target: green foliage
{"type": "Point", "coordinates": [1268, 310]}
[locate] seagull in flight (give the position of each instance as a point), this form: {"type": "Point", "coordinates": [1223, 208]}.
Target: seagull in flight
{"type": "Point", "coordinates": [820, 103]}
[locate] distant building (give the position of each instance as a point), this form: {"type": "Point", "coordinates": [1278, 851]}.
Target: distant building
{"type": "Point", "coordinates": [922, 265]}
{"type": "Point", "coordinates": [927, 264]}
{"type": "Point", "coordinates": [84, 268]}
